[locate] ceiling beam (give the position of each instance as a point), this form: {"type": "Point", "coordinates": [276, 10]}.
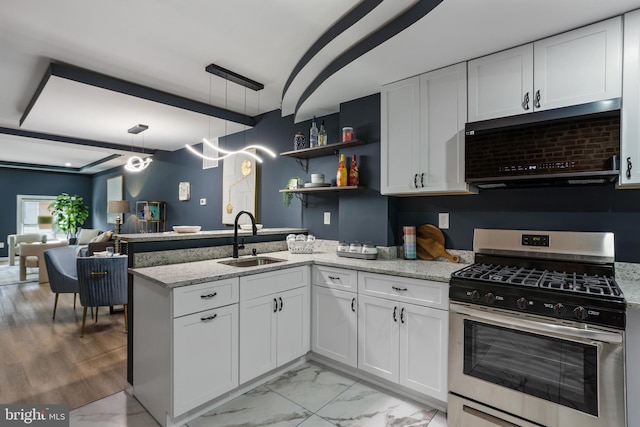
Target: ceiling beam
{"type": "Point", "coordinates": [72, 140]}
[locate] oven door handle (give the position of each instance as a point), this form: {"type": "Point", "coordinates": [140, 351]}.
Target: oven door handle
{"type": "Point", "coordinates": [565, 331]}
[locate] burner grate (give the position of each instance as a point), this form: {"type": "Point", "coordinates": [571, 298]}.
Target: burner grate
{"type": "Point", "coordinates": [591, 284]}
{"type": "Point", "coordinates": [583, 283]}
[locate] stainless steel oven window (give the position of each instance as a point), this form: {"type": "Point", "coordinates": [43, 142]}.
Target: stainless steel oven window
{"type": "Point", "coordinates": [553, 369]}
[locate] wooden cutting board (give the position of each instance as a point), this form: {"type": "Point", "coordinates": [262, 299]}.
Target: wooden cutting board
{"type": "Point", "coordinates": [430, 243]}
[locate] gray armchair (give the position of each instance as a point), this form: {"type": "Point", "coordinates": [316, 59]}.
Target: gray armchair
{"type": "Point", "coordinates": [102, 282]}
{"type": "Point", "coordinates": [61, 268]}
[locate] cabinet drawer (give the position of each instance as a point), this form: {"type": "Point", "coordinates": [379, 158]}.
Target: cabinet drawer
{"type": "Point", "coordinates": [258, 285]}
{"type": "Point", "coordinates": [204, 296]}
{"type": "Point", "coordinates": [337, 278]}
{"type": "Point", "coordinates": [415, 291]}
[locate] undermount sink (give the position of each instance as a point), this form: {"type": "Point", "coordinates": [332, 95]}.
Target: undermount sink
{"type": "Point", "coordinates": [251, 262]}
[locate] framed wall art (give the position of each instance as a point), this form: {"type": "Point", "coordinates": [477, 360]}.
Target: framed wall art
{"type": "Point", "coordinates": [184, 191]}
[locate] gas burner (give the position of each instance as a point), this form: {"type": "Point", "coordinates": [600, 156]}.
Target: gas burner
{"type": "Point", "coordinates": [582, 283]}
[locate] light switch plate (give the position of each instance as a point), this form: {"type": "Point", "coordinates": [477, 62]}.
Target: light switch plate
{"type": "Point", "coordinates": [443, 220]}
{"type": "Point", "coordinates": [203, 202]}
{"type": "Point", "coordinates": [327, 218]}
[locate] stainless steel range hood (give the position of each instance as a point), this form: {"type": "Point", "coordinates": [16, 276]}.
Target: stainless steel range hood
{"type": "Point", "coordinates": [577, 145]}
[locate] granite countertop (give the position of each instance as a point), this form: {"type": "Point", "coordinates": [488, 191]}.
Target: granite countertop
{"type": "Point", "coordinates": [211, 234]}
{"type": "Point", "coordinates": [176, 275]}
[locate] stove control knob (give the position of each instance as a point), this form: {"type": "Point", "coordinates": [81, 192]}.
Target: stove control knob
{"type": "Point", "coordinates": [580, 313]}
{"type": "Point", "coordinates": [559, 310]}
{"type": "Point", "coordinates": [522, 303]}
{"type": "Point", "coordinates": [475, 296]}
{"type": "Point", "coordinates": [490, 298]}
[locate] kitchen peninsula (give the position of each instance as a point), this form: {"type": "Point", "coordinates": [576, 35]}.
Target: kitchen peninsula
{"type": "Point", "coordinates": [155, 249]}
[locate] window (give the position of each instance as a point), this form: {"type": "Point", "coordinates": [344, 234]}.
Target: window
{"type": "Point", "coordinates": [29, 208]}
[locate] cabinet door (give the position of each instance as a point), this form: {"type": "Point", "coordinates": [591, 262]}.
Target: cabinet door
{"type": "Point", "coordinates": [579, 66]}
{"type": "Point", "coordinates": [630, 121]}
{"type": "Point", "coordinates": [423, 350]}
{"type": "Point", "coordinates": [443, 114]}
{"type": "Point", "coordinates": [501, 83]}
{"type": "Point", "coordinates": [400, 136]}
{"type": "Point", "coordinates": [205, 357]}
{"type": "Point", "coordinates": [378, 340]}
{"type": "Point", "coordinates": [257, 336]}
{"type": "Point", "coordinates": [334, 325]}
{"type": "Point", "coordinates": [293, 328]}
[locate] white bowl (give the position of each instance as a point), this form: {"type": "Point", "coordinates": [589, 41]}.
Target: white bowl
{"type": "Point", "coordinates": [317, 178]}
{"type": "Point", "coordinates": [248, 226]}
{"type": "Point", "coordinates": [186, 228]}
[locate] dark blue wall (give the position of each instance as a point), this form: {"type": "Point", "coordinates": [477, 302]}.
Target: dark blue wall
{"type": "Point", "coordinates": [363, 215]}
{"type": "Point", "coordinates": [26, 182]}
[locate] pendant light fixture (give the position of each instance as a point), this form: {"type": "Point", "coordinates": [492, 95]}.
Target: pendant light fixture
{"type": "Point", "coordinates": [137, 163]}
{"type": "Point", "coordinates": [223, 154]}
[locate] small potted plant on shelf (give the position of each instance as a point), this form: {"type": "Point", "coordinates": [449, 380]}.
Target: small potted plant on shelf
{"type": "Point", "coordinates": [293, 183]}
{"type": "Point", "coordinates": [68, 212]}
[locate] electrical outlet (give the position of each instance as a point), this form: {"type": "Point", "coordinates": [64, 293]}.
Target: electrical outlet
{"type": "Point", "coordinates": [443, 221]}
{"type": "Point", "coordinates": [327, 218]}
{"type": "Point", "coordinates": [203, 202]}
{"type": "Point", "coordinates": [1, 245]}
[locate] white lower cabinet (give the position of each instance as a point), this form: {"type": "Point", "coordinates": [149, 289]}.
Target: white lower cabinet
{"type": "Point", "coordinates": [334, 324]}
{"type": "Point", "coordinates": [274, 328]}
{"type": "Point", "coordinates": [205, 356]}
{"type": "Point", "coordinates": [400, 341]}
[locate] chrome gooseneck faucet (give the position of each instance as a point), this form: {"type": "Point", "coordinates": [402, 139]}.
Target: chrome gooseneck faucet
{"type": "Point", "coordinates": [237, 246]}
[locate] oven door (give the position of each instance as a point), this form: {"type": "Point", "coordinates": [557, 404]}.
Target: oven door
{"type": "Point", "coordinates": [535, 369]}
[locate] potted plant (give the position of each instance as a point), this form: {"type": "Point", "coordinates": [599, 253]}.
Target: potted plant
{"type": "Point", "coordinates": [293, 183]}
{"type": "Point", "coordinates": [68, 212]}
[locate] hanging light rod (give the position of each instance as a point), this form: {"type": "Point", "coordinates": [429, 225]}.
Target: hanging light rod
{"type": "Point", "coordinates": [137, 129]}
{"type": "Point", "coordinates": [233, 77]}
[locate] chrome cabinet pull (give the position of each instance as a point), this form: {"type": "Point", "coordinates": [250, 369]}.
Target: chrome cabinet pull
{"type": "Point", "coordinates": [629, 166]}
{"type": "Point", "coordinates": [275, 305]}
{"type": "Point", "coordinates": [206, 319]}
{"type": "Point", "coordinates": [402, 315]}
{"type": "Point", "coordinates": [208, 295]}
{"type": "Point", "coordinates": [395, 288]}
{"type": "Point", "coordinates": [525, 102]}
{"type": "Point", "coordinates": [353, 302]}
{"type": "Point", "coordinates": [395, 312]}
{"type": "Point", "coordinates": [281, 303]}
{"type": "Point", "coordinates": [537, 103]}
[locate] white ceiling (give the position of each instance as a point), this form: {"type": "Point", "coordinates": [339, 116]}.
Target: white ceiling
{"type": "Point", "coordinates": [167, 45]}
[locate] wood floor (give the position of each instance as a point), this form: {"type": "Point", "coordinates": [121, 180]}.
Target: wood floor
{"type": "Point", "coordinates": [45, 361]}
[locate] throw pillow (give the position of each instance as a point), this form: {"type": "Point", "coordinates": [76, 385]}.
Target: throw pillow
{"type": "Point", "coordinates": [86, 234]}
{"type": "Point", "coordinates": [101, 238]}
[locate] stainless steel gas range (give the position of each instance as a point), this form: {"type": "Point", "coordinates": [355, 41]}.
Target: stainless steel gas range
{"type": "Point", "coordinates": [536, 332]}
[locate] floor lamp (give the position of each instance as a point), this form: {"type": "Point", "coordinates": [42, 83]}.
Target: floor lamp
{"type": "Point", "coordinates": [118, 207]}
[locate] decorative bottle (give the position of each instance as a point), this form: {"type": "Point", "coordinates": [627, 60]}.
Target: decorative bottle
{"type": "Point", "coordinates": [322, 135]}
{"type": "Point", "coordinates": [354, 173]}
{"type": "Point", "coordinates": [341, 175]}
{"type": "Point", "coordinates": [313, 134]}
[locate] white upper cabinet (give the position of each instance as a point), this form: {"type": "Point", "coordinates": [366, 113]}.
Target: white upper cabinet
{"type": "Point", "coordinates": [630, 121]}
{"type": "Point", "coordinates": [501, 84]}
{"type": "Point", "coordinates": [577, 67]}
{"type": "Point", "coordinates": [400, 136]}
{"type": "Point", "coordinates": [422, 127]}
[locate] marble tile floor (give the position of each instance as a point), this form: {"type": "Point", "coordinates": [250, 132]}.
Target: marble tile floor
{"type": "Point", "coordinates": [307, 396]}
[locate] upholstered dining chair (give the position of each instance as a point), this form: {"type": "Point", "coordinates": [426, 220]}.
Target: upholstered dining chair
{"type": "Point", "coordinates": [63, 277]}
{"type": "Point", "coordinates": [102, 282]}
